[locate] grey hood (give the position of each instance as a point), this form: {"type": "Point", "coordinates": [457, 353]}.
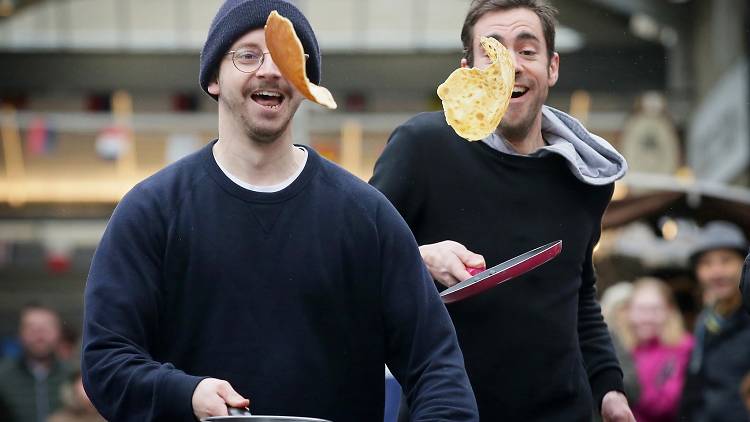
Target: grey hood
{"type": "Point", "coordinates": [591, 159]}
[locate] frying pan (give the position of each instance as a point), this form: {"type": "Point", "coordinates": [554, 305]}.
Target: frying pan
{"type": "Point", "coordinates": [500, 273]}
{"type": "Point", "coordinates": [240, 415]}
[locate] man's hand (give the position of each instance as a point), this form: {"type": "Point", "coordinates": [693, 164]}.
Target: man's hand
{"type": "Point", "coordinates": [615, 408]}
{"type": "Point", "coordinates": [447, 261]}
{"type": "Point", "coordinates": [212, 396]}
{"type": "Point", "coordinates": [745, 391]}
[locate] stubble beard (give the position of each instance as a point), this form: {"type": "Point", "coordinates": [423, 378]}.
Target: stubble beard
{"type": "Point", "coordinates": [41, 354]}
{"type": "Point", "coordinates": [520, 130]}
{"type": "Point", "coordinates": [262, 134]}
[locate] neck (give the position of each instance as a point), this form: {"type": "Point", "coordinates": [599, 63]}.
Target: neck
{"type": "Point", "coordinates": [37, 362]}
{"type": "Point", "coordinates": [728, 306]}
{"type": "Point", "coordinates": [525, 141]}
{"type": "Point", "coordinates": [261, 163]}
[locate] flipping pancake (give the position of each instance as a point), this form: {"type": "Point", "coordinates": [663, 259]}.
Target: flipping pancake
{"type": "Point", "coordinates": [289, 56]}
{"type": "Point", "coordinates": [475, 99]}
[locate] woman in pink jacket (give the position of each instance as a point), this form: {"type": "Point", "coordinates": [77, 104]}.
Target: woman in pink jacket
{"type": "Point", "coordinates": [660, 347]}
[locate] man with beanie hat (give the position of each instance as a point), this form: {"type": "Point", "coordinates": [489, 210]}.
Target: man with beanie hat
{"type": "Point", "coordinates": [256, 273]}
{"type": "Point", "coordinates": [721, 357]}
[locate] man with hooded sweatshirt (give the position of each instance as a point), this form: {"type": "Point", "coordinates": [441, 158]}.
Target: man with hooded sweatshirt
{"type": "Point", "coordinates": [256, 269]}
{"type": "Point", "coordinates": [536, 348]}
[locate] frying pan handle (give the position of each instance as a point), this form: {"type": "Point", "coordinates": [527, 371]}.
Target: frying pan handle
{"type": "Point", "coordinates": [236, 411]}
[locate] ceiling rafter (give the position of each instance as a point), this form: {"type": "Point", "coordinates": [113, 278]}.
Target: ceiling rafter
{"type": "Point", "coordinates": [675, 15]}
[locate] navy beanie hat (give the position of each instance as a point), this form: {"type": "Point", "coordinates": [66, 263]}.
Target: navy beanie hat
{"type": "Point", "coordinates": [236, 17]}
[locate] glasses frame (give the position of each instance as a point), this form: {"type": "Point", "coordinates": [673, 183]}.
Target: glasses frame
{"type": "Point", "coordinates": [260, 62]}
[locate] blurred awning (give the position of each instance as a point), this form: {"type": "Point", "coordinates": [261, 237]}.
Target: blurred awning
{"type": "Point", "coordinates": [9, 7]}
{"type": "Point", "coordinates": [650, 197]}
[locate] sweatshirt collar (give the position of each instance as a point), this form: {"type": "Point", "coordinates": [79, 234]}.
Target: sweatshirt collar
{"type": "Point", "coordinates": [589, 157]}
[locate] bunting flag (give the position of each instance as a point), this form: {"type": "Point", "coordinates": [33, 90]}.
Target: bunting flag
{"type": "Point", "coordinates": [180, 145]}
{"type": "Point", "coordinates": [112, 142]}
{"type": "Point", "coordinates": [41, 137]}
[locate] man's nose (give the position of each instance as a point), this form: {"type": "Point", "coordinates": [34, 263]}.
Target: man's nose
{"type": "Point", "coordinates": [516, 61]}
{"type": "Point", "coordinates": [268, 68]}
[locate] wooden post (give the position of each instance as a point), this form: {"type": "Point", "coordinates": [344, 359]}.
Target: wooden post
{"type": "Point", "coordinates": [351, 146]}
{"type": "Point", "coordinates": [122, 112]}
{"type": "Point", "coordinates": [580, 105]}
{"type": "Point", "coordinates": [15, 171]}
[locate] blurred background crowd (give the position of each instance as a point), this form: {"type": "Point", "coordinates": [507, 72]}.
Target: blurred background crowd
{"type": "Point", "coordinates": [95, 95]}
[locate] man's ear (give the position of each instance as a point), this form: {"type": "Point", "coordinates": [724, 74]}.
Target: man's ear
{"type": "Point", "coordinates": [213, 86]}
{"type": "Point", "coordinates": [554, 68]}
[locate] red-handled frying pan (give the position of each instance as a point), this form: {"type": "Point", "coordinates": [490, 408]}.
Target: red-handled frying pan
{"type": "Point", "coordinates": [501, 272]}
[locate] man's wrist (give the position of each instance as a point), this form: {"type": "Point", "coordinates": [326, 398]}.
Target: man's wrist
{"type": "Point", "coordinates": [604, 382]}
{"type": "Point", "coordinates": [614, 395]}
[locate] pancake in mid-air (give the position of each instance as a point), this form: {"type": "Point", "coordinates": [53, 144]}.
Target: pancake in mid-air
{"type": "Point", "coordinates": [474, 100]}
{"type": "Point", "coordinates": [289, 56]}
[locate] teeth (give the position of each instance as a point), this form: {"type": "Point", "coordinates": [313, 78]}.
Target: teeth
{"type": "Point", "coordinates": [518, 90]}
{"type": "Point", "coordinates": [269, 93]}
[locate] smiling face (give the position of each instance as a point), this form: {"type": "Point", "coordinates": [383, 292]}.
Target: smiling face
{"type": "Point", "coordinates": [39, 333]}
{"type": "Point", "coordinates": [520, 31]}
{"type": "Point", "coordinates": [718, 272]}
{"type": "Point", "coordinates": [648, 313]}
{"type": "Point", "coordinates": [260, 104]}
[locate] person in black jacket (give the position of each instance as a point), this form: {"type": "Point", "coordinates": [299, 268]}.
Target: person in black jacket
{"type": "Point", "coordinates": [536, 347]}
{"type": "Point", "coordinates": [29, 383]}
{"type": "Point", "coordinates": [745, 283]}
{"type": "Point", "coordinates": [721, 356]}
{"type": "Point", "coordinates": [254, 272]}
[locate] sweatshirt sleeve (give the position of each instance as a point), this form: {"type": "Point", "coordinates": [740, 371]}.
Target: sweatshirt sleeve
{"type": "Point", "coordinates": [122, 300]}
{"type": "Point", "coordinates": [598, 352]}
{"type": "Point", "coordinates": [421, 346]}
{"type": "Point", "coordinates": [396, 173]}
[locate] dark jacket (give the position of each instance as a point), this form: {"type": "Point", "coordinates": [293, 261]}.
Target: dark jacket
{"type": "Point", "coordinates": [745, 284]}
{"type": "Point", "coordinates": [26, 397]}
{"type": "Point", "coordinates": [720, 359]}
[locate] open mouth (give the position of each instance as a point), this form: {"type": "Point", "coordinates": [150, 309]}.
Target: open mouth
{"type": "Point", "coordinates": [518, 92]}
{"type": "Point", "coordinates": [267, 98]}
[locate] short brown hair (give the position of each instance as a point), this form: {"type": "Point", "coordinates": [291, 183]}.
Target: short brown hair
{"type": "Point", "coordinates": [478, 8]}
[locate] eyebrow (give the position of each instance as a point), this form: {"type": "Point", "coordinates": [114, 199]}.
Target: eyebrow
{"type": "Point", "coordinates": [247, 45]}
{"type": "Point", "coordinates": [527, 36]}
{"type": "Point", "coordinates": [523, 36]}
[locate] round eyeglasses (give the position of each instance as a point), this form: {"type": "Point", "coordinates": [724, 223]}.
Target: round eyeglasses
{"type": "Point", "coordinates": [248, 60]}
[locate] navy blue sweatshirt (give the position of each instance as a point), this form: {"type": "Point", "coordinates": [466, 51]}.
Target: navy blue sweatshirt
{"type": "Point", "coordinates": [536, 347]}
{"type": "Point", "coordinates": [297, 298]}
